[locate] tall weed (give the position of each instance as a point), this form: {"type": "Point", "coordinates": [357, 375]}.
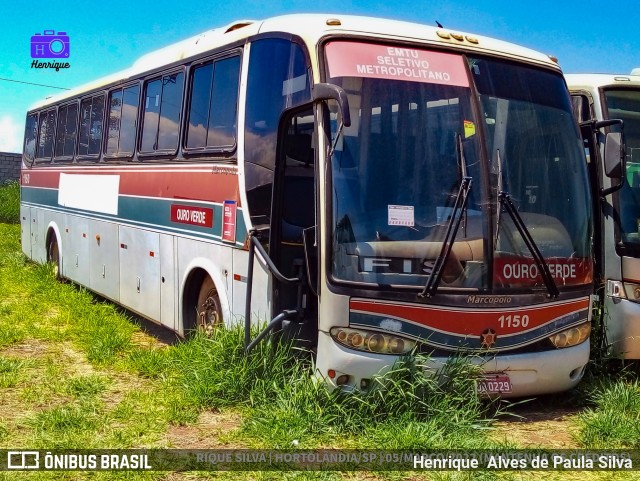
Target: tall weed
{"type": "Point", "coordinates": [10, 203]}
{"type": "Point", "coordinates": [614, 421]}
{"type": "Point", "coordinates": [286, 403]}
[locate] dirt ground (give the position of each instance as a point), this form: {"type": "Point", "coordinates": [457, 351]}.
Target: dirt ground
{"type": "Point", "coordinates": [533, 427]}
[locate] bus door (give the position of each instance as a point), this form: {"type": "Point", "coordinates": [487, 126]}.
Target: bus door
{"type": "Point", "coordinates": [293, 217]}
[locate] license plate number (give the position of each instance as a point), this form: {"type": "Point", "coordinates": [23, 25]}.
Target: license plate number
{"type": "Point", "coordinates": [494, 384]}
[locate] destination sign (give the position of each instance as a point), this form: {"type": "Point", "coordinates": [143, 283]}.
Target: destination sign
{"type": "Point", "coordinates": [186, 214]}
{"type": "Point", "coordinates": [355, 59]}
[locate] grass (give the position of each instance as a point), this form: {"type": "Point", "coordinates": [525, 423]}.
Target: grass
{"type": "Point", "coordinates": [613, 422]}
{"type": "Point", "coordinates": [10, 203]}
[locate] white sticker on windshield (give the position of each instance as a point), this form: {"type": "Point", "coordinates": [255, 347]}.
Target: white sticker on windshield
{"type": "Point", "coordinates": [401, 215]}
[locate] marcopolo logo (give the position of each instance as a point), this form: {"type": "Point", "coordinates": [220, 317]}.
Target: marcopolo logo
{"type": "Point", "coordinates": [50, 45]}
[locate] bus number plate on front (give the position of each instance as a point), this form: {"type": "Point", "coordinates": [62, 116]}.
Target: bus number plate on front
{"type": "Point", "coordinates": [494, 384]}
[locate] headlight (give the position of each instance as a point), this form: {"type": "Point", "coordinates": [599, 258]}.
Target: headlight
{"type": "Point", "coordinates": [632, 291]}
{"type": "Point", "coordinates": [623, 290]}
{"type": "Point", "coordinates": [572, 336]}
{"type": "Point", "coordinates": [369, 341]}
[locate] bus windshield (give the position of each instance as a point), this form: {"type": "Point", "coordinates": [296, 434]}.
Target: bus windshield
{"type": "Point", "coordinates": [416, 133]}
{"type": "Point", "coordinates": [536, 157]}
{"type": "Point", "coordinates": [625, 104]}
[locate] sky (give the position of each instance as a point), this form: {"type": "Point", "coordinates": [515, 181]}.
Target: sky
{"type": "Point", "coordinates": [105, 37]}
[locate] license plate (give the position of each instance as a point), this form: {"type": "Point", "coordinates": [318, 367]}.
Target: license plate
{"type": "Point", "coordinates": [494, 384]}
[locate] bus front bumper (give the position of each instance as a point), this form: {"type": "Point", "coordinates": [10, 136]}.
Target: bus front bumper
{"type": "Point", "coordinates": [530, 373]}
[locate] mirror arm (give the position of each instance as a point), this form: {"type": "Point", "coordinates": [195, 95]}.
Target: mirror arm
{"type": "Point", "coordinates": [325, 91]}
{"type": "Point", "coordinates": [611, 190]}
{"type": "Point", "coordinates": [607, 123]}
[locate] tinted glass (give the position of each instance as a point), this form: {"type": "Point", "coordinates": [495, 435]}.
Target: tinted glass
{"type": "Point", "coordinates": [151, 115]}
{"type": "Point", "coordinates": [224, 103]}
{"type": "Point", "coordinates": [95, 131]}
{"type": "Point", "coordinates": [129, 120]}
{"type": "Point", "coordinates": [163, 105]}
{"type": "Point", "coordinates": [91, 118]}
{"type": "Point", "coordinates": [170, 110]}
{"type": "Point", "coordinates": [396, 176]}
{"type": "Point", "coordinates": [115, 113]}
{"type": "Point", "coordinates": [277, 80]}
{"type": "Point", "coordinates": [30, 134]}
{"type": "Point", "coordinates": [71, 130]}
{"type": "Point", "coordinates": [60, 131]}
{"type": "Point", "coordinates": [66, 130]}
{"type": "Point", "coordinates": [199, 109]}
{"type": "Point", "coordinates": [45, 142]}
{"type": "Point", "coordinates": [536, 156]}
{"type": "Point", "coordinates": [625, 104]}
{"type": "Point", "coordinates": [85, 123]}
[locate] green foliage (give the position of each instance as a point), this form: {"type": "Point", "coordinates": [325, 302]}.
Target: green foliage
{"type": "Point", "coordinates": [150, 363]}
{"type": "Point", "coordinates": [10, 370]}
{"type": "Point", "coordinates": [86, 386]}
{"type": "Point", "coordinates": [215, 372]}
{"type": "Point", "coordinates": [409, 406]}
{"type": "Point", "coordinates": [614, 421]}
{"type": "Point", "coordinates": [284, 402]}
{"type": "Point", "coordinates": [10, 203]}
{"type": "Point", "coordinates": [66, 426]}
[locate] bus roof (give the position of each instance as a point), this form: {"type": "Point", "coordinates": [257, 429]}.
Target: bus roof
{"type": "Point", "coordinates": [311, 28]}
{"type": "Point", "coordinates": [592, 81]}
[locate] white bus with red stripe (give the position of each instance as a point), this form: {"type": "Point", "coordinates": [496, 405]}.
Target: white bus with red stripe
{"type": "Point", "coordinates": [371, 187]}
{"type": "Point", "coordinates": [609, 105]}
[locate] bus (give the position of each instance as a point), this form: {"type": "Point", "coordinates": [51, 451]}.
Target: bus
{"type": "Point", "coordinates": [610, 104]}
{"type": "Point", "coordinates": [369, 187]}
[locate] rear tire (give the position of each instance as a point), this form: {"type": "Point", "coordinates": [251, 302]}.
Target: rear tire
{"type": "Point", "coordinates": [209, 311]}
{"type": "Point", "coordinates": [53, 256]}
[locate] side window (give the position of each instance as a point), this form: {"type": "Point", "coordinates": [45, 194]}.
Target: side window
{"type": "Point", "coordinates": [162, 108]}
{"type": "Point", "coordinates": [30, 135]}
{"type": "Point", "coordinates": [213, 105]}
{"type": "Point", "coordinates": [129, 120]}
{"type": "Point", "coordinates": [580, 107]}
{"type": "Point", "coordinates": [123, 114]}
{"type": "Point", "coordinates": [66, 130]}
{"type": "Point", "coordinates": [113, 123]}
{"type": "Point", "coordinates": [91, 118]}
{"type": "Point", "coordinates": [151, 116]}
{"type": "Point", "coordinates": [46, 126]}
{"type": "Point", "coordinates": [278, 80]}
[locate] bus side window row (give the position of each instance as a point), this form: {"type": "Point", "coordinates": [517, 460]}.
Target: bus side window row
{"type": "Point", "coordinates": [77, 128]}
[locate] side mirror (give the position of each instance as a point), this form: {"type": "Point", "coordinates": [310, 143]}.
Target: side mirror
{"type": "Point", "coordinates": [324, 91]}
{"type": "Point", "coordinates": [614, 156]}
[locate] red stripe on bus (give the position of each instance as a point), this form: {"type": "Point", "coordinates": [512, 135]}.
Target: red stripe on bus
{"type": "Point", "coordinates": [471, 322]}
{"type": "Point", "coordinates": [191, 183]}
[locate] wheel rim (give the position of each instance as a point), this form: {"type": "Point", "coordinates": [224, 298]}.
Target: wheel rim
{"type": "Point", "coordinates": [54, 257]}
{"type": "Point", "coordinates": [209, 312]}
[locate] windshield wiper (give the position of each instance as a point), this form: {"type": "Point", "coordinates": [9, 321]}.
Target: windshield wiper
{"type": "Point", "coordinates": [447, 244]}
{"type": "Point", "coordinates": [543, 267]}
{"type": "Point", "coordinates": [462, 166]}
{"type": "Point", "coordinates": [459, 212]}
{"type": "Point", "coordinates": [499, 188]}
